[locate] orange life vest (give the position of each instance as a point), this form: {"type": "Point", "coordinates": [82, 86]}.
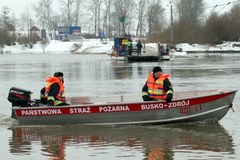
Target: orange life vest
{"type": "Point", "coordinates": [155, 88]}
{"type": "Point", "coordinates": [51, 80]}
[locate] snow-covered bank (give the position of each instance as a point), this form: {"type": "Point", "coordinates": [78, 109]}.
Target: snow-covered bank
{"type": "Point", "coordinates": [95, 46]}
{"type": "Point", "coordinates": [55, 46]}
{"type": "Point", "coordinates": [186, 47]}
{"type": "Point", "coordinates": [225, 47]}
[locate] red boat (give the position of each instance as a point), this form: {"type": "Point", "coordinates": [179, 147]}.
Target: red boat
{"type": "Point", "coordinates": [208, 105]}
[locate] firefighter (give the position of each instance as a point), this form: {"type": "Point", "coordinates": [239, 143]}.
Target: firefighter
{"type": "Point", "coordinates": [157, 86]}
{"type": "Point", "coordinates": [53, 93]}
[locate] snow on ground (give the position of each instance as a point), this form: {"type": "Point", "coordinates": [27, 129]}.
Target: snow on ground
{"type": "Point", "coordinates": [59, 46]}
{"type": "Point", "coordinates": [53, 47]}
{"type": "Point", "coordinates": [95, 46]}
{"type": "Point", "coordinates": [194, 47]}
{"type": "Point", "coordinates": [226, 46]}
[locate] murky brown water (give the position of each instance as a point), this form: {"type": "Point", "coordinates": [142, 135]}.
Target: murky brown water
{"type": "Point", "coordinates": [87, 75]}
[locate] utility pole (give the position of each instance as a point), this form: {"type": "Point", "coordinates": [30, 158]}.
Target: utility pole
{"type": "Point", "coordinates": [171, 10]}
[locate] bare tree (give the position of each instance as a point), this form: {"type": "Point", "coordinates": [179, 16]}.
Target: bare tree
{"type": "Point", "coordinates": [43, 12]}
{"type": "Point", "coordinates": [70, 13]}
{"type": "Point", "coordinates": [189, 24]}
{"type": "Point", "coordinates": [190, 10]}
{"type": "Point", "coordinates": [67, 12]}
{"type": "Point", "coordinates": [213, 29]}
{"type": "Point", "coordinates": [107, 16]}
{"type": "Point", "coordinates": [77, 11]}
{"type": "Point", "coordinates": [99, 3]}
{"type": "Point", "coordinates": [24, 25]}
{"type": "Point", "coordinates": [95, 7]}
{"type": "Point", "coordinates": [226, 27]}
{"type": "Point", "coordinates": [131, 18]}
{"type": "Point", "coordinates": [232, 23]}
{"type": "Point", "coordinates": [141, 9]}
{"type": "Point", "coordinates": [8, 19]}
{"type": "Point", "coordinates": [7, 27]}
{"type": "Point", "coordinates": [123, 14]}
{"type": "Point", "coordinates": [155, 16]}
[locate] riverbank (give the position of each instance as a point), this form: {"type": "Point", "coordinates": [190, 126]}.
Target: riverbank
{"type": "Point", "coordinates": [95, 46]}
{"type": "Point", "coordinates": [226, 47]}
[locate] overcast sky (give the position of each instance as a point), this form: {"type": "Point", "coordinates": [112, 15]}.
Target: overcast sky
{"type": "Point", "coordinates": [18, 6]}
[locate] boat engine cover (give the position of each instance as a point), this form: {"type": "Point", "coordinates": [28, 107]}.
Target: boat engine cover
{"type": "Point", "coordinates": [19, 97]}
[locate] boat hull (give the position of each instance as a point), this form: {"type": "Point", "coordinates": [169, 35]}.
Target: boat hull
{"type": "Point", "coordinates": [141, 58]}
{"type": "Point", "coordinates": [118, 111]}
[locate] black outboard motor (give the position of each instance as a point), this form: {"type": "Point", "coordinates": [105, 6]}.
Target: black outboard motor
{"type": "Point", "coordinates": [19, 97]}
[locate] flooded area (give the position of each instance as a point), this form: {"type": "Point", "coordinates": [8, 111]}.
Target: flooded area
{"type": "Point", "coordinates": [93, 75]}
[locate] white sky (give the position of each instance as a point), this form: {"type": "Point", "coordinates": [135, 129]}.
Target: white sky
{"type": "Point", "coordinates": [19, 6]}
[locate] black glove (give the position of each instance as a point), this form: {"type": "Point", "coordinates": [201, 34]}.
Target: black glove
{"type": "Point", "coordinates": [50, 103]}
{"type": "Point", "coordinates": [169, 97]}
{"type": "Point", "coordinates": [44, 100]}
{"type": "Point", "coordinates": [147, 98]}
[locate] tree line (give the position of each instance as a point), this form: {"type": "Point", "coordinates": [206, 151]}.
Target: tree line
{"type": "Point", "coordinates": [140, 18]}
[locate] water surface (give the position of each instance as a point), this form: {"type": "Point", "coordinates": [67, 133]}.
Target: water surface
{"type": "Point", "coordinates": [87, 75]}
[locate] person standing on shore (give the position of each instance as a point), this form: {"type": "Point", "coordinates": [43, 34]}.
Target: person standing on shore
{"type": "Point", "coordinates": [139, 47]}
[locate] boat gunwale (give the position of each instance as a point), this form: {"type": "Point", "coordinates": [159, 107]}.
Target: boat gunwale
{"type": "Point", "coordinates": [126, 102]}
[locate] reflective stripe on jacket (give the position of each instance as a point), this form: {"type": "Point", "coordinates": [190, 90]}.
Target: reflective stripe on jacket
{"type": "Point", "coordinates": [60, 98]}
{"type": "Point", "coordinates": [156, 88]}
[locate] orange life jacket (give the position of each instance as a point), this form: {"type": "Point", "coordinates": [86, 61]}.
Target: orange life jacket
{"type": "Point", "coordinates": [157, 154]}
{"type": "Point", "coordinates": [155, 88]}
{"type": "Point", "coordinates": [51, 80]}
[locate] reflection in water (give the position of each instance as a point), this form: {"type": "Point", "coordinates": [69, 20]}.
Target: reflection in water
{"type": "Point", "coordinates": [154, 142]}
{"type": "Point", "coordinates": [121, 70]}
{"type": "Point", "coordinates": [54, 148]}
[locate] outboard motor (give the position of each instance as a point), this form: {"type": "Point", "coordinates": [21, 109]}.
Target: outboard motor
{"type": "Point", "coordinates": [19, 97]}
